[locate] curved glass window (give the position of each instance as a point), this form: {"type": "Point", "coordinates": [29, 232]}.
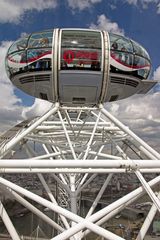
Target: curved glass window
{"type": "Point", "coordinates": [81, 50]}
{"type": "Point", "coordinates": [140, 62]}
{"type": "Point", "coordinates": [141, 66]}
{"type": "Point", "coordinates": [31, 53]}
{"type": "Point", "coordinates": [18, 45]}
{"type": "Point", "coordinates": [40, 40]}
{"type": "Point", "coordinates": [128, 57]}
{"type": "Point", "coordinates": [139, 50]}
{"type": "Point", "coordinates": [120, 43]}
{"type": "Point", "coordinates": [122, 57]}
{"type": "Point", "coordinates": [39, 59]}
{"type": "Point", "coordinates": [16, 62]}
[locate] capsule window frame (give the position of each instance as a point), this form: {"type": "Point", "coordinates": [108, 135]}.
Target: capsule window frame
{"type": "Point", "coordinates": [74, 56]}
{"type": "Point", "coordinates": [75, 38]}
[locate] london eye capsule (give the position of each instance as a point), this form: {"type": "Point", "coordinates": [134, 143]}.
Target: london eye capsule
{"type": "Point", "coordinates": [78, 66]}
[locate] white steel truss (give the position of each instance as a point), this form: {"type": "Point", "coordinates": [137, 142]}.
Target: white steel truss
{"type": "Point", "coordinates": [75, 148]}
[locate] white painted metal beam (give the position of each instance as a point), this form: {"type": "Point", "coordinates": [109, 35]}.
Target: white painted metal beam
{"type": "Point", "coordinates": [151, 152]}
{"type": "Point", "coordinates": [83, 223]}
{"type": "Point", "coordinates": [75, 170]}
{"type": "Point", "coordinates": [122, 164]}
{"type": "Point", "coordinates": [26, 131]}
{"type": "Point", "coordinates": [150, 192]}
{"type": "Point", "coordinates": [8, 223]}
{"type": "Point", "coordinates": [147, 222]}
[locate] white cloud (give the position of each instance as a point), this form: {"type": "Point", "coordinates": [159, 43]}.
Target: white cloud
{"type": "Point", "coordinates": [144, 3]}
{"type": "Point", "coordinates": [158, 8]}
{"type": "Point", "coordinates": [12, 11]}
{"type": "Point", "coordinates": [12, 110]}
{"type": "Point", "coordinates": [134, 2]}
{"type": "Point", "coordinates": [8, 98]}
{"type": "Point", "coordinates": [10, 104]}
{"type": "Point", "coordinates": [106, 24]}
{"type": "Point", "coordinates": [3, 50]}
{"type": "Point", "coordinates": [141, 113]}
{"type": "Point", "coordinates": [37, 109]}
{"type": "Point", "coordinates": [113, 6]}
{"type": "Point", "coordinates": [81, 4]}
{"type": "Point", "coordinates": [156, 74]}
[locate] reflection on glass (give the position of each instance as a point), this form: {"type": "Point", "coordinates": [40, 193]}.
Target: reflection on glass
{"type": "Point", "coordinates": [123, 57]}
{"type": "Point", "coordinates": [78, 59]}
{"type": "Point", "coordinates": [17, 62]}
{"type": "Point", "coordinates": [39, 59]}
{"type": "Point", "coordinates": [139, 50]}
{"type": "Point", "coordinates": [121, 43]}
{"type": "Point", "coordinates": [38, 40]}
{"type": "Point", "coordinates": [141, 62]}
{"type": "Point", "coordinates": [126, 53]}
{"type": "Point", "coordinates": [18, 45]}
{"type": "Point", "coordinates": [81, 39]}
{"type": "Point", "coordinates": [81, 50]}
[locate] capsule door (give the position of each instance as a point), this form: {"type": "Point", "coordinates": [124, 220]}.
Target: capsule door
{"type": "Point", "coordinates": [80, 75]}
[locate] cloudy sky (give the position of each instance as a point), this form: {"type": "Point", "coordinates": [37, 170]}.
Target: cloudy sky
{"type": "Point", "coordinates": [136, 19]}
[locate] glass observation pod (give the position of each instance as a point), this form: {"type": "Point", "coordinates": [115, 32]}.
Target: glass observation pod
{"type": "Point", "coordinates": [78, 66]}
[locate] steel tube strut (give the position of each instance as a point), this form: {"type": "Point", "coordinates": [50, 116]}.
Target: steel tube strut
{"type": "Point", "coordinates": [147, 222]}
{"type": "Point", "coordinates": [83, 223]}
{"type": "Point", "coordinates": [122, 164]}
{"type": "Point", "coordinates": [95, 202]}
{"type": "Point", "coordinates": [18, 138]}
{"type": "Point", "coordinates": [155, 200]}
{"type": "Point", "coordinates": [8, 223]}
{"type": "Point", "coordinates": [150, 150]}
{"type": "Point", "coordinates": [33, 209]}
{"type": "Point", "coordinates": [95, 217]}
{"type": "Point", "coordinates": [75, 170]}
{"type": "Point", "coordinates": [52, 198]}
{"type": "Point", "coordinates": [120, 204]}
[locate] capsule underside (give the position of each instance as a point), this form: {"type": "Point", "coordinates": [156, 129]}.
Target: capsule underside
{"type": "Point", "coordinates": [78, 66]}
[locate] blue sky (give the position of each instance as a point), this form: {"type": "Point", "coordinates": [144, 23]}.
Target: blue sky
{"type": "Point", "coordinates": [136, 19]}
